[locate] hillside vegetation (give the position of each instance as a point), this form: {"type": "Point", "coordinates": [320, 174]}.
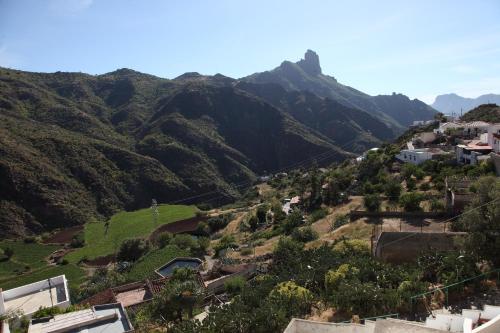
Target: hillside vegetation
{"type": "Point", "coordinates": [485, 112]}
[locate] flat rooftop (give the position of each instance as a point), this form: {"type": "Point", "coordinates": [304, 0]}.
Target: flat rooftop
{"type": "Point", "coordinates": [109, 318]}
{"type": "Point", "coordinates": [30, 303]}
{"type": "Point", "coordinates": [29, 298]}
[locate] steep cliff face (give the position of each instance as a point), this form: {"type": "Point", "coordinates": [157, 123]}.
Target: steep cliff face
{"type": "Point", "coordinates": [396, 110]}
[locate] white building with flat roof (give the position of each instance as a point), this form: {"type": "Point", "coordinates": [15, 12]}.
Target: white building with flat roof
{"type": "Point", "coordinates": [27, 299]}
{"type": "Point", "coordinates": [418, 156]}
{"type": "Point", "coordinates": [109, 318]}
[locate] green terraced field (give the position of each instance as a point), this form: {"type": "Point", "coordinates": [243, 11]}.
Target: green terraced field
{"type": "Point", "coordinates": [27, 256]}
{"type": "Point", "coordinates": [74, 274]}
{"type": "Point", "coordinates": [99, 242]}
{"type": "Point", "coordinates": [146, 266]}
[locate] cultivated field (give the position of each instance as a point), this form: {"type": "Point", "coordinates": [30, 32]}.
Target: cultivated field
{"type": "Point", "coordinates": [102, 239]}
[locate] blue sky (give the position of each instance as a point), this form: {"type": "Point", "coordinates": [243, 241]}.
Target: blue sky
{"type": "Point", "coordinates": [419, 48]}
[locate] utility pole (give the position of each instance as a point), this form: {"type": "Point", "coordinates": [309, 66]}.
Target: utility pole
{"type": "Point", "coordinates": [154, 209]}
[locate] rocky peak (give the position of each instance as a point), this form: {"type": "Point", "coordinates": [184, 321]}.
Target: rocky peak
{"type": "Point", "coordinates": [310, 63]}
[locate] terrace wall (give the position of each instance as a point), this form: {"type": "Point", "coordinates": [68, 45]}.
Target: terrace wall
{"type": "Point", "coordinates": [400, 247]}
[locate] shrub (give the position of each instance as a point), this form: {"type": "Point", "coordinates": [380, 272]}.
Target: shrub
{"type": "Point", "coordinates": [219, 222]}
{"type": "Point", "coordinates": [30, 239]}
{"type": "Point", "coordinates": [304, 235]}
{"type": "Point", "coordinates": [184, 241]}
{"type": "Point", "coordinates": [340, 221]}
{"type": "Point", "coordinates": [425, 187]}
{"type": "Point", "coordinates": [436, 205]}
{"type": "Point", "coordinates": [293, 220]}
{"type": "Point", "coordinates": [234, 285]}
{"type": "Point", "coordinates": [246, 251]}
{"type": "Point", "coordinates": [411, 201]}
{"type": "Point", "coordinates": [8, 252]}
{"type": "Point", "coordinates": [203, 229]}
{"type": "Point", "coordinates": [253, 222]}
{"type": "Point", "coordinates": [372, 202]}
{"type": "Point", "coordinates": [77, 240]}
{"type": "Point", "coordinates": [164, 239]}
{"type": "Point", "coordinates": [225, 242]}
{"type": "Point", "coordinates": [289, 294]}
{"type": "Point", "coordinates": [261, 214]}
{"type": "Point", "coordinates": [132, 249]}
{"type": "Point", "coordinates": [317, 214]}
{"type": "Point", "coordinates": [393, 190]}
{"type": "Point", "coordinates": [352, 247]}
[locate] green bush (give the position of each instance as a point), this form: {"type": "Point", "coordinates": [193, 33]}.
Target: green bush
{"type": "Point", "coordinates": [132, 249]}
{"type": "Point", "coordinates": [293, 220]}
{"type": "Point", "coordinates": [304, 235]}
{"type": "Point", "coordinates": [78, 240]}
{"type": "Point", "coordinates": [411, 201]}
{"type": "Point", "coordinates": [317, 215]}
{"type": "Point", "coordinates": [246, 251]}
{"type": "Point", "coordinates": [184, 241]}
{"type": "Point", "coordinates": [425, 187]}
{"type": "Point", "coordinates": [372, 202]}
{"type": "Point", "coordinates": [164, 239]}
{"type": "Point", "coordinates": [234, 285]}
{"type": "Point", "coordinates": [340, 221]}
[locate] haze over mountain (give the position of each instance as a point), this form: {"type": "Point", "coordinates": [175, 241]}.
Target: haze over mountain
{"type": "Point", "coordinates": [396, 110]}
{"type": "Point", "coordinates": [449, 103]}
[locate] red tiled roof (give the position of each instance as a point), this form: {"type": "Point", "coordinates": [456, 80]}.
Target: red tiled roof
{"type": "Point", "coordinates": [157, 286]}
{"type": "Point", "coordinates": [104, 297]}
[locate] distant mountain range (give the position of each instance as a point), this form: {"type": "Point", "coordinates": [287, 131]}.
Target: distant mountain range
{"type": "Point", "coordinates": [450, 103]}
{"type": "Point", "coordinates": [76, 147]}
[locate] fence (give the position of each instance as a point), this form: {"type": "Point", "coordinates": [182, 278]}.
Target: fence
{"type": "Point", "coordinates": [356, 214]}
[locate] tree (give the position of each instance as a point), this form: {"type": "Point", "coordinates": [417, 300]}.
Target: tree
{"type": "Point", "coordinates": [372, 202]}
{"type": "Point", "coordinates": [481, 219]}
{"type": "Point", "coordinates": [132, 249]}
{"type": "Point", "coordinates": [334, 277]}
{"type": "Point", "coordinates": [293, 220]}
{"type": "Point", "coordinates": [262, 214]}
{"type": "Point", "coordinates": [8, 252]}
{"type": "Point", "coordinates": [292, 296]}
{"type": "Point", "coordinates": [393, 190]}
{"type": "Point", "coordinates": [253, 222]}
{"type": "Point", "coordinates": [411, 201]}
{"type": "Point", "coordinates": [304, 235]}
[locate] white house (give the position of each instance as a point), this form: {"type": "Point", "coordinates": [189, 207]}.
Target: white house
{"type": "Point", "coordinates": [473, 152]}
{"type": "Point", "coordinates": [418, 156]}
{"type": "Point", "coordinates": [109, 318]}
{"type": "Point", "coordinates": [492, 137]}
{"type": "Point", "coordinates": [471, 129]}
{"type": "Point", "coordinates": [29, 298]}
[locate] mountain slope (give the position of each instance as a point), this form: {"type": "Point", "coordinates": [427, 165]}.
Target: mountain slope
{"type": "Point", "coordinates": [398, 111]}
{"type": "Point", "coordinates": [485, 112]}
{"type": "Point", "coordinates": [449, 103]}
{"type": "Point", "coordinates": [352, 129]}
{"type": "Point", "coordinates": [74, 147]}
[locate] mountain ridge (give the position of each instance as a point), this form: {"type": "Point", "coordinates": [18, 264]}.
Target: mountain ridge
{"type": "Point", "coordinates": [449, 103]}
{"type": "Point", "coordinates": [306, 74]}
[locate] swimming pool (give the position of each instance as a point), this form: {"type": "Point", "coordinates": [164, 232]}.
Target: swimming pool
{"type": "Point", "coordinates": [168, 269]}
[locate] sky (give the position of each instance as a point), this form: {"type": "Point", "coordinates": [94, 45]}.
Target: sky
{"type": "Point", "coordinates": [419, 48]}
